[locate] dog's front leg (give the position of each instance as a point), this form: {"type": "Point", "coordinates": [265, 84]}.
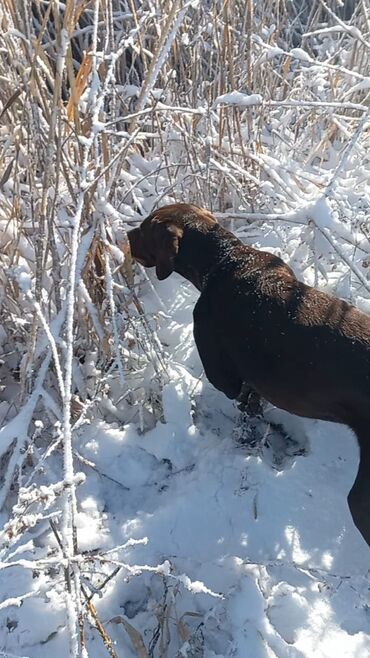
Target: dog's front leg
{"type": "Point", "coordinates": [219, 369]}
{"type": "Point", "coordinates": [250, 402]}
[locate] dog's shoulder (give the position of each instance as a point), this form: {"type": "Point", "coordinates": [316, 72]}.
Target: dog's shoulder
{"type": "Point", "coordinates": [259, 272]}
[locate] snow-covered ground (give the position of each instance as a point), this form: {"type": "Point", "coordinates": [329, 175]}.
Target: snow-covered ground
{"type": "Point", "coordinates": [195, 533]}
{"type": "Point", "coordinates": [222, 554]}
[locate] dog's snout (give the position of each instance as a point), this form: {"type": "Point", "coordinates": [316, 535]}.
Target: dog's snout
{"type": "Point", "coordinates": [133, 239]}
{"type": "Point", "coordinates": [139, 248]}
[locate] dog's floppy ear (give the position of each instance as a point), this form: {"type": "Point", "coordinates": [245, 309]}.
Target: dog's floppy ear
{"type": "Point", "coordinates": [167, 247]}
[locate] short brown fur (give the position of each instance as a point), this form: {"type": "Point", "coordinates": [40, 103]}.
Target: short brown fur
{"type": "Point", "coordinates": [257, 326]}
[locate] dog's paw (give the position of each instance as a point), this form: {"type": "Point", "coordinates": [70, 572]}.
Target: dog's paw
{"type": "Point", "coordinates": [249, 402]}
{"type": "Point", "coordinates": [269, 441]}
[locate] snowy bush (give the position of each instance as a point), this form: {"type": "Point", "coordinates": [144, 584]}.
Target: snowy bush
{"type": "Point", "coordinates": [257, 111]}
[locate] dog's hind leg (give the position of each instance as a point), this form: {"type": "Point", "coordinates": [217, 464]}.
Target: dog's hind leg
{"type": "Point", "coordinates": [359, 496]}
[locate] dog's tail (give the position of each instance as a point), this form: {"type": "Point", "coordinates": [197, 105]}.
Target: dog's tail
{"type": "Point", "coordinates": [359, 496]}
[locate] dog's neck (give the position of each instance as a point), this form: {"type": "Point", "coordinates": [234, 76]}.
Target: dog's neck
{"type": "Point", "coordinates": [202, 252]}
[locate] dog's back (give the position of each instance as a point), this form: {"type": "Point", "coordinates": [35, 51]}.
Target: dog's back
{"type": "Point", "coordinates": [303, 350]}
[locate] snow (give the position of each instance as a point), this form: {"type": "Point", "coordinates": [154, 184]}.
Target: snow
{"type": "Point", "coordinates": [301, 54]}
{"type": "Point", "coordinates": [189, 532]}
{"type": "Point", "coordinates": [269, 560]}
{"type": "Point", "coordinates": [239, 98]}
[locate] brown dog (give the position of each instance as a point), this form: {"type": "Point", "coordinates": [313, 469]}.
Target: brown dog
{"type": "Point", "coordinates": [256, 324]}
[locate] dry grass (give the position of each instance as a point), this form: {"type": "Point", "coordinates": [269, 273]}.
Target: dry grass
{"type": "Point", "coordinates": [108, 109]}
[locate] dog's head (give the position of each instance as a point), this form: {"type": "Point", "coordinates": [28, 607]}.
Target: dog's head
{"type": "Point", "coordinates": [156, 242]}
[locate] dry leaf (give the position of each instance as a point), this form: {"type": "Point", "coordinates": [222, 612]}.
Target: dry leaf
{"type": "Point", "coordinates": [80, 84]}
{"type": "Point", "coordinates": [134, 635]}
